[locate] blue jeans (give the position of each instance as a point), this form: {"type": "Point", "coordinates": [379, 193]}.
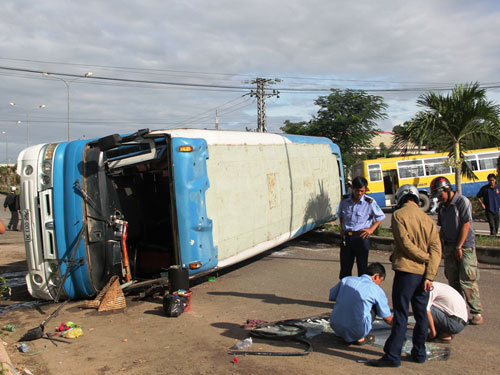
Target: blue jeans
{"type": "Point", "coordinates": [408, 287]}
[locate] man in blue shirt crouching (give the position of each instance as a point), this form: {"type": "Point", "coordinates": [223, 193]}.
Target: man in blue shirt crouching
{"type": "Point", "coordinates": [355, 298]}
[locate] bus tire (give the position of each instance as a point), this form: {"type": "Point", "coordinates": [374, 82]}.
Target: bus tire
{"type": "Point", "coordinates": [424, 202]}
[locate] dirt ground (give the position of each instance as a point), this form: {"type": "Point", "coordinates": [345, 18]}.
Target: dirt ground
{"type": "Point", "coordinates": [290, 282]}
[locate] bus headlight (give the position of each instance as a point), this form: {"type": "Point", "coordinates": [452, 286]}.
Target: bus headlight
{"type": "Point", "coordinates": [37, 279]}
{"type": "Point", "coordinates": [46, 179]}
{"type": "Point", "coordinates": [53, 267]}
{"type": "Point", "coordinates": [47, 167]}
{"type": "Point", "coordinates": [28, 170]}
{"type": "Point", "coordinates": [54, 280]}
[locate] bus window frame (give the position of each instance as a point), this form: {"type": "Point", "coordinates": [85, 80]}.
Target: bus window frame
{"type": "Point", "coordinates": [495, 159]}
{"type": "Point", "coordinates": [425, 160]}
{"type": "Point", "coordinates": [379, 170]}
{"type": "Point", "coordinates": [414, 162]}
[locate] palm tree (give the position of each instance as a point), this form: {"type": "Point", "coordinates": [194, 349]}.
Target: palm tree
{"type": "Point", "coordinates": [458, 120]}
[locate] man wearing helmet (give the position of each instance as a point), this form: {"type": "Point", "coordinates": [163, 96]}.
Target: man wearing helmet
{"type": "Point", "coordinates": [459, 249]}
{"type": "Point", "coordinates": [415, 261]}
{"type": "Point", "coordinates": [359, 216]}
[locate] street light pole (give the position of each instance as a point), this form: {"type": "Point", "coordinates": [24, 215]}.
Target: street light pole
{"type": "Point", "coordinates": [68, 83]}
{"type": "Point", "coordinates": [6, 148]}
{"type": "Point", "coordinates": [28, 120]}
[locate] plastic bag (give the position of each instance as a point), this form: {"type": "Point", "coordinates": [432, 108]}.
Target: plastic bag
{"type": "Point", "coordinates": [174, 305]}
{"type": "Point", "coordinates": [243, 344]}
{"type": "Point", "coordinates": [73, 333]}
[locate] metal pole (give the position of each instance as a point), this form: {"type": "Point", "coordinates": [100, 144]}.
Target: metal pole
{"type": "Point", "coordinates": [28, 129]}
{"type": "Point", "coordinates": [67, 88]}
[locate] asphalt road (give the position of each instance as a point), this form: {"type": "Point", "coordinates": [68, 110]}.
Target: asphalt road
{"type": "Point", "coordinates": [290, 282]}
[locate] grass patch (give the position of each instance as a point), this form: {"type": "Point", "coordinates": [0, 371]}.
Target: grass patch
{"type": "Point", "coordinates": [383, 232]}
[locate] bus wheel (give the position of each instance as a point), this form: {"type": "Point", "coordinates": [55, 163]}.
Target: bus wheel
{"type": "Point", "coordinates": [424, 202]}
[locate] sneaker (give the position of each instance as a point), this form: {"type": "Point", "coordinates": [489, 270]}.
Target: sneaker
{"type": "Point", "coordinates": [476, 320]}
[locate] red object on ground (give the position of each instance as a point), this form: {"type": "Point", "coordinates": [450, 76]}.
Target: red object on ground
{"type": "Point", "coordinates": [235, 360]}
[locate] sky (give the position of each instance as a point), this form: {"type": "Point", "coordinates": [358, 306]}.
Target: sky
{"type": "Point", "coordinates": [164, 64]}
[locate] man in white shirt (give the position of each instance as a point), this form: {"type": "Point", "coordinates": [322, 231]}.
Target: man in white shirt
{"type": "Point", "coordinates": [447, 313]}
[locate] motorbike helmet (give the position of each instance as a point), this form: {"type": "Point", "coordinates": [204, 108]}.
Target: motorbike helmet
{"type": "Point", "coordinates": [438, 185]}
{"type": "Point", "coordinates": [406, 192]}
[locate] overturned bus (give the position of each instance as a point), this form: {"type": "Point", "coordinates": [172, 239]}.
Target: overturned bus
{"type": "Point", "coordinates": [137, 205]}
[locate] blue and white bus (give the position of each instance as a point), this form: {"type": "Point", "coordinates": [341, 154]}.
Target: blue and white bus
{"type": "Point", "coordinates": [138, 205]}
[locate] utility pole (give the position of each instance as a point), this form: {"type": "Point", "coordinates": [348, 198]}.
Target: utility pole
{"type": "Point", "coordinates": [216, 120]}
{"type": "Point", "coordinates": [261, 95]}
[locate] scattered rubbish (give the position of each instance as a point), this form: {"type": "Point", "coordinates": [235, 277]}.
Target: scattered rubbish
{"type": "Point", "coordinates": [243, 344]}
{"type": "Point", "coordinates": [252, 323]}
{"type": "Point", "coordinates": [111, 297]}
{"type": "Point", "coordinates": [186, 294]}
{"type": "Point", "coordinates": [23, 348]}
{"type": "Point", "coordinates": [37, 332]}
{"type": "Point", "coordinates": [235, 361]}
{"type": "Point", "coordinates": [27, 372]}
{"type": "Point", "coordinates": [73, 333]}
{"type": "Point", "coordinates": [211, 279]}
{"type": "Point", "coordinates": [174, 305]}
{"type": "Point", "coordinates": [9, 327]}
{"type": "Point", "coordinates": [434, 352]}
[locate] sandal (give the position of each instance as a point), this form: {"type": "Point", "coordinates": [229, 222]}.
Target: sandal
{"type": "Point", "coordinates": [437, 340]}
{"type": "Point", "coordinates": [368, 339]}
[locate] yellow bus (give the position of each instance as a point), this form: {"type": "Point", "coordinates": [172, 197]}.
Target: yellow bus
{"type": "Point", "coordinates": [386, 175]}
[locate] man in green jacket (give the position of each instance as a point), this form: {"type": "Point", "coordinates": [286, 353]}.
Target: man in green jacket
{"type": "Point", "coordinates": [415, 260]}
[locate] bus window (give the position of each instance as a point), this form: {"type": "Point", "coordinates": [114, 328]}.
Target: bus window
{"type": "Point", "coordinates": [374, 172]}
{"type": "Point", "coordinates": [471, 161]}
{"type": "Point", "coordinates": [436, 167]}
{"type": "Point", "coordinates": [410, 168]}
{"type": "Point", "coordinates": [488, 161]}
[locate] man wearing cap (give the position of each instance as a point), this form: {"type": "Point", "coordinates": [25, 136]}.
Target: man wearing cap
{"type": "Point", "coordinates": [12, 201]}
{"type": "Point", "coordinates": [359, 216]}
{"type": "Point", "coordinates": [489, 197]}
{"type": "Point", "coordinates": [459, 248]}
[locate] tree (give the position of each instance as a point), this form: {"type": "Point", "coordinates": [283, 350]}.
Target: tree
{"type": "Point", "coordinates": [348, 117]}
{"type": "Point", "coordinates": [459, 120]}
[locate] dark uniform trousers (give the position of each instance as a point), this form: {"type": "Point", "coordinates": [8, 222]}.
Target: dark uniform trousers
{"type": "Point", "coordinates": [353, 247]}
{"type": "Point", "coordinates": [408, 288]}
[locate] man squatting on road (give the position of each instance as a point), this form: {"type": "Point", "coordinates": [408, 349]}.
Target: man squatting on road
{"type": "Point", "coordinates": [459, 248]}
{"type": "Point", "coordinates": [415, 261]}
{"type": "Point", "coordinates": [355, 298]}
{"type": "Point", "coordinates": [447, 313]}
{"type": "Point", "coordinates": [359, 216]}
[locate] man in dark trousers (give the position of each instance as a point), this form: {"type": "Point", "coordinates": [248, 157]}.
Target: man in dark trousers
{"type": "Point", "coordinates": [12, 201]}
{"type": "Point", "coordinates": [489, 197]}
{"type": "Point", "coordinates": [415, 261]}
{"type": "Point", "coordinates": [359, 216]}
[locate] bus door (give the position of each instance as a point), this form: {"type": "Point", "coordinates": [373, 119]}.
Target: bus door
{"type": "Point", "coordinates": [138, 176]}
{"type": "Point", "coordinates": [391, 185]}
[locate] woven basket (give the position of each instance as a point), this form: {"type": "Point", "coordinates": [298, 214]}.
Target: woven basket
{"type": "Point", "coordinates": [113, 299]}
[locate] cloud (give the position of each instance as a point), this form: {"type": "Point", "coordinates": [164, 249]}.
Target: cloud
{"type": "Point", "coordinates": [361, 44]}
